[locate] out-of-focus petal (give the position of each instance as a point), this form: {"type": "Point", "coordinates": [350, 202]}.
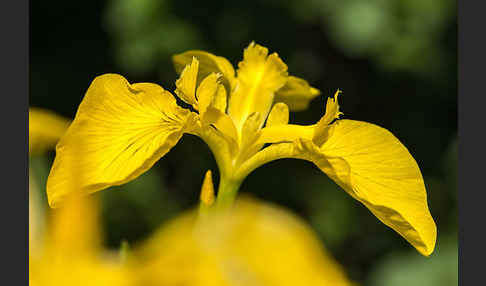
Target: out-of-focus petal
{"type": "Point", "coordinates": [254, 244]}
{"type": "Point", "coordinates": [45, 129]}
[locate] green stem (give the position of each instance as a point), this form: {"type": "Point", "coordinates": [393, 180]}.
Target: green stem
{"type": "Point", "coordinates": [227, 191]}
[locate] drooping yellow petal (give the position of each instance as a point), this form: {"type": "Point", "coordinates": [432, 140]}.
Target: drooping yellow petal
{"type": "Point", "coordinates": [257, 244]}
{"type": "Point", "coordinates": [259, 77]}
{"type": "Point", "coordinates": [296, 93]}
{"type": "Point", "coordinates": [186, 84]}
{"type": "Point", "coordinates": [279, 115]}
{"type": "Point", "coordinates": [120, 131]}
{"type": "Point", "coordinates": [371, 164]}
{"type": "Point", "coordinates": [209, 63]}
{"type": "Point", "coordinates": [45, 129]}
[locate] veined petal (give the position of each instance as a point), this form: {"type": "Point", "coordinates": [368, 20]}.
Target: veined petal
{"type": "Point", "coordinates": [186, 84]}
{"type": "Point", "coordinates": [45, 129]}
{"type": "Point", "coordinates": [120, 131]}
{"type": "Point", "coordinates": [371, 164]}
{"type": "Point", "coordinates": [208, 63]}
{"type": "Point", "coordinates": [296, 93]}
{"type": "Point", "coordinates": [259, 77]}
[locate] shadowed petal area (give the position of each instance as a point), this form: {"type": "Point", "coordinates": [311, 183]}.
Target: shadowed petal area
{"type": "Point", "coordinates": [120, 131]}
{"type": "Point", "coordinates": [296, 93]}
{"type": "Point", "coordinates": [376, 169]}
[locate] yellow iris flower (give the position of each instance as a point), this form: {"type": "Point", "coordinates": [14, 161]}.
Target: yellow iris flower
{"type": "Point", "coordinates": [122, 129]}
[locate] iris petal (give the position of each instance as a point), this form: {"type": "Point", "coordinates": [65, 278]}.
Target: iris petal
{"type": "Point", "coordinates": [119, 132]}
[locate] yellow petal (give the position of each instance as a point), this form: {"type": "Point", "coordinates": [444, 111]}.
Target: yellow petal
{"type": "Point", "coordinates": [322, 129]}
{"type": "Point", "coordinates": [259, 77]}
{"type": "Point", "coordinates": [229, 250]}
{"type": "Point", "coordinates": [249, 136]}
{"type": "Point", "coordinates": [120, 131]}
{"type": "Point", "coordinates": [209, 63]}
{"type": "Point", "coordinates": [279, 115]}
{"type": "Point", "coordinates": [220, 99]}
{"type": "Point", "coordinates": [207, 92]}
{"type": "Point", "coordinates": [186, 84]}
{"type": "Point", "coordinates": [285, 133]}
{"type": "Point", "coordinates": [221, 121]}
{"type": "Point", "coordinates": [45, 129]}
{"type": "Point", "coordinates": [75, 227]}
{"type": "Point", "coordinates": [207, 190]}
{"type": "Point", "coordinates": [296, 93]}
{"type": "Point", "coordinates": [371, 164]}
{"type": "Point", "coordinates": [73, 254]}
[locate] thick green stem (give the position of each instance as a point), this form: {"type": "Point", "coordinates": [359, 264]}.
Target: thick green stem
{"type": "Point", "coordinates": [227, 191]}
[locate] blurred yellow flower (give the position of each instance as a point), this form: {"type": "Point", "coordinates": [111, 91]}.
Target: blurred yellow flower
{"type": "Point", "coordinates": [125, 128]}
{"type": "Point", "coordinates": [71, 252]}
{"type": "Point", "coordinates": [254, 244]}
{"type": "Point", "coordinates": [45, 129]}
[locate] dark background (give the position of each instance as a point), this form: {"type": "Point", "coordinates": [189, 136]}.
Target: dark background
{"type": "Point", "coordinates": [396, 62]}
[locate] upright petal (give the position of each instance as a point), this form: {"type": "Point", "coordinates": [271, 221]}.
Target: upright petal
{"type": "Point", "coordinates": [45, 129]}
{"type": "Point", "coordinates": [208, 63]}
{"type": "Point", "coordinates": [207, 92]}
{"type": "Point", "coordinates": [120, 131]}
{"type": "Point", "coordinates": [186, 84]}
{"type": "Point", "coordinates": [296, 93]}
{"type": "Point", "coordinates": [323, 129]}
{"type": "Point", "coordinates": [259, 77]}
{"type": "Point", "coordinates": [372, 165]}
{"type": "Point", "coordinates": [279, 115]}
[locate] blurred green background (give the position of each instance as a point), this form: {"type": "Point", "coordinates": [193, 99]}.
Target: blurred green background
{"type": "Point", "coordinates": [395, 60]}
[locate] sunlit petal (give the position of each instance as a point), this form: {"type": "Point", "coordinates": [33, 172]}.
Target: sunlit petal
{"type": "Point", "coordinates": [372, 165]}
{"type": "Point", "coordinates": [120, 131]}
{"type": "Point", "coordinates": [259, 76]}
